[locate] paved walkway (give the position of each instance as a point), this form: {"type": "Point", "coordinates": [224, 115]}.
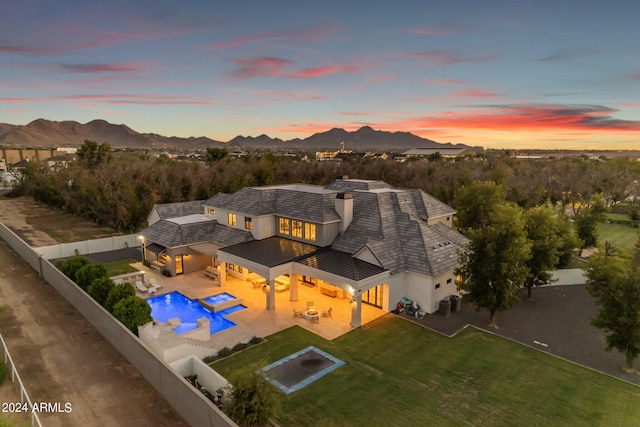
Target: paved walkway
{"type": "Point", "coordinates": [557, 321]}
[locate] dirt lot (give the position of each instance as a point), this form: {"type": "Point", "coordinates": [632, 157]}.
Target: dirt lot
{"type": "Point", "coordinates": [60, 356]}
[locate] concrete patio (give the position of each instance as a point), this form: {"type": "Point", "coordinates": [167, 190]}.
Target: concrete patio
{"type": "Point", "coordinates": [256, 320]}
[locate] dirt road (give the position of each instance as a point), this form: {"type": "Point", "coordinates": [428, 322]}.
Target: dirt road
{"type": "Point", "coordinates": [60, 356]}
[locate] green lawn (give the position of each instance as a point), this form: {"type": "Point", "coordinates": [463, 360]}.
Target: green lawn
{"type": "Point", "coordinates": [120, 267]}
{"type": "Point", "coordinates": [621, 236]}
{"type": "Point", "coordinates": [398, 373]}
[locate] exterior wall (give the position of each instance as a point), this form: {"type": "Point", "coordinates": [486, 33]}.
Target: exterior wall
{"type": "Point", "coordinates": [263, 227]}
{"type": "Point", "coordinates": [153, 217]}
{"type": "Point", "coordinates": [445, 290]}
{"type": "Point", "coordinates": [193, 261]}
{"type": "Point", "coordinates": [65, 250]}
{"type": "Point", "coordinates": [325, 233]}
{"type": "Point", "coordinates": [422, 289]}
{"type": "Point", "coordinates": [196, 409]}
{"type": "Point", "coordinates": [447, 220]}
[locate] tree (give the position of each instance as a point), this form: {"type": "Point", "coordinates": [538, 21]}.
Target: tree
{"type": "Point", "coordinates": [569, 241]}
{"type": "Point", "coordinates": [475, 204]}
{"type": "Point", "coordinates": [70, 267]}
{"type": "Point", "coordinates": [91, 154]}
{"type": "Point", "coordinates": [615, 285]}
{"type": "Point", "coordinates": [132, 311]}
{"type": "Point", "coordinates": [118, 293]}
{"type": "Point", "coordinates": [90, 272]}
{"type": "Point", "coordinates": [585, 223]}
{"type": "Point", "coordinates": [495, 267]}
{"type": "Point", "coordinates": [100, 288]}
{"type": "Point", "coordinates": [214, 154]}
{"type": "Point", "coordinates": [252, 401]}
{"type": "Point", "coordinates": [542, 232]}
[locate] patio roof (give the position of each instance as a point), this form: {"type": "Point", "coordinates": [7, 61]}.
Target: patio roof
{"type": "Point", "coordinates": [272, 251]}
{"type": "Point", "coordinates": [156, 248]}
{"type": "Point", "coordinates": [341, 264]}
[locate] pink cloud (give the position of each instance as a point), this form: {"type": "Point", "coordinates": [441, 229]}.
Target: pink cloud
{"type": "Point", "coordinates": [138, 99]}
{"type": "Point", "coordinates": [327, 69]}
{"type": "Point", "coordinates": [528, 117]}
{"type": "Point", "coordinates": [449, 57]}
{"type": "Point", "coordinates": [287, 95]}
{"type": "Point", "coordinates": [436, 31]}
{"type": "Point", "coordinates": [260, 67]}
{"type": "Point", "coordinates": [107, 68]}
{"type": "Point", "coordinates": [381, 78]}
{"type": "Point", "coordinates": [18, 99]}
{"type": "Point", "coordinates": [475, 93]}
{"type": "Point", "coordinates": [445, 82]}
{"type": "Point", "coordinates": [304, 33]}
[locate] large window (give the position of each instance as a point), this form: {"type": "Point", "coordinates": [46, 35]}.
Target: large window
{"type": "Point", "coordinates": [296, 228]}
{"type": "Point", "coordinates": [283, 225]}
{"type": "Point", "coordinates": [248, 223]}
{"type": "Point", "coordinates": [231, 217]}
{"type": "Point", "coordinates": [211, 211]}
{"type": "Point", "coordinates": [373, 296]}
{"type": "Point", "coordinates": [310, 231]}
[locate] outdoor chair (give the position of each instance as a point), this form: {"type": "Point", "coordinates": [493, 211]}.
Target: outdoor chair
{"type": "Point", "coordinates": [327, 313]}
{"type": "Point", "coordinates": [141, 287]}
{"type": "Point", "coordinates": [297, 313]}
{"type": "Point", "coordinates": [154, 283]}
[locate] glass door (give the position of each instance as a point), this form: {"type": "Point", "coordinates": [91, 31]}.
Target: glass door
{"type": "Point", "coordinates": [179, 269]}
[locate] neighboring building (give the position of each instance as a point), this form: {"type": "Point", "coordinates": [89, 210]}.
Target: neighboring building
{"type": "Point", "coordinates": [444, 151]}
{"type": "Point", "coordinates": [357, 240]}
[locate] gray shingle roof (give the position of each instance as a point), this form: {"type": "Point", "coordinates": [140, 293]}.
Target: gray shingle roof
{"type": "Point", "coordinates": [174, 210]}
{"type": "Point", "coordinates": [171, 235]}
{"type": "Point", "coordinates": [318, 207]}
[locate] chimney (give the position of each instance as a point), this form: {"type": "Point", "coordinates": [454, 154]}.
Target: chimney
{"type": "Point", "coordinates": [344, 207]}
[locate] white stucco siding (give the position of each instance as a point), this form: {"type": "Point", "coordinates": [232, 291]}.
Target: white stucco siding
{"type": "Point", "coordinates": [444, 291]}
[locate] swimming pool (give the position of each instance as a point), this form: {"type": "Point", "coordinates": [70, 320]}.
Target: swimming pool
{"type": "Point", "coordinates": [174, 304]}
{"type": "Point", "coordinates": [217, 299]}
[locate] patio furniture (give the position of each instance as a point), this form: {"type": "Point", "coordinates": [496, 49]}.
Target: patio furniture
{"type": "Point", "coordinates": [141, 287]}
{"type": "Point", "coordinates": [297, 313]}
{"type": "Point", "coordinates": [309, 304]}
{"type": "Point", "coordinates": [327, 313]}
{"type": "Point", "coordinates": [154, 283]}
{"type": "Point", "coordinates": [420, 314]}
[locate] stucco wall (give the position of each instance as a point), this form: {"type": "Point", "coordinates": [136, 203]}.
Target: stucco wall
{"type": "Point", "coordinates": [84, 247]}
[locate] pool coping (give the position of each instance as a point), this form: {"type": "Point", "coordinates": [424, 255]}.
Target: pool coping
{"type": "Point", "coordinates": [337, 363]}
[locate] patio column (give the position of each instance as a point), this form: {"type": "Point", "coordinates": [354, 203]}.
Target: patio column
{"type": "Point", "coordinates": [271, 294]}
{"type": "Point", "coordinates": [222, 273]}
{"type": "Point", "coordinates": [293, 287]}
{"type": "Point", "coordinates": [356, 310]}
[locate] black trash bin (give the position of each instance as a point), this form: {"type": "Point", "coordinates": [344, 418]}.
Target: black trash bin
{"type": "Point", "coordinates": [455, 303]}
{"type": "Point", "coordinates": [445, 307]}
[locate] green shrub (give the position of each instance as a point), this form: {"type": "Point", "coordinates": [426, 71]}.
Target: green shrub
{"type": "Point", "coordinates": [224, 352]}
{"type": "Point", "coordinates": [70, 267]}
{"type": "Point", "coordinates": [117, 294]}
{"type": "Point", "coordinates": [251, 401]}
{"type": "Point", "coordinates": [90, 272]}
{"type": "Point", "coordinates": [255, 340]}
{"type": "Point", "coordinates": [132, 312]}
{"type": "Point", "coordinates": [100, 288]}
{"type": "Point", "coordinates": [146, 263]}
{"type": "Point", "coordinates": [209, 359]}
{"type": "Point", "coordinates": [240, 346]}
{"type": "Point", "coordinates": [166, 273]}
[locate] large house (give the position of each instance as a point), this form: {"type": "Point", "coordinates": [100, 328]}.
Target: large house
{"type": "Point", "coordinates": [357, 240]}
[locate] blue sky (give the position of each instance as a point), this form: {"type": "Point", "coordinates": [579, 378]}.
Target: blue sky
{"type": "Point", "coordinates": [514, 74]}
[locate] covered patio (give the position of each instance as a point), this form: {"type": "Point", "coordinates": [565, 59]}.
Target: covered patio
{"type": "Point", "coordinates": [256, 320]}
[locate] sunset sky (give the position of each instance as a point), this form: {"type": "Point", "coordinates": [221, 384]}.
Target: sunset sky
{"type": "Point", "coordinates": [535, 74]}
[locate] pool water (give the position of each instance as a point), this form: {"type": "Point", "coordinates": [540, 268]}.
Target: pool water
{"type": "Point", "coordinates": [217, 299]}
{"type": "Point", "coordinates": [174, 304]}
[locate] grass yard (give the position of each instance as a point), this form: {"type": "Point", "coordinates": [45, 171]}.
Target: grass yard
{"type": "Point", "coordinates": [622, 237]}
{"type": "Point", "coordinates": [120, 267]}
{"type": "Point", "coordinates": [399, 373]}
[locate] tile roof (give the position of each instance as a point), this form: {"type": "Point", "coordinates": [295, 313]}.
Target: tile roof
{"type": "Point", "coordinates": [171, 234]}
{"type": "Point", "coordinates": [341, 264]}
{"type": "Point", "coordinates": [288, 201]}
{"type": "Point", "coordinates": [174, 210]}
{"type": "Point", "coordinates": [272, 251]}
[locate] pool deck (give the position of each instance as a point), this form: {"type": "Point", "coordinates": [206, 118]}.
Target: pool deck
{"type": "Point", "coordinates": [256, 320]}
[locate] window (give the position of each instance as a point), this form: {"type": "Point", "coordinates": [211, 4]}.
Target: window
{"type": "Point", "coordinates": [231, 267]}
{"type": "Point", "coordinates": [231, 219]}
{"type": "Point", "coordinates": [283, 226]}
{"type": "Point", "coordinates": [437, 285]}
{"type": "Point", "coordinates": [310, 232]}
{"type": "Point", "coordinates": [296, 228]}
{"type": "Point", "coordinates": [211, 211]}
{"type": "Point", "coordinates": [248, 223]}
{"type": "Point", "coordinates": [310, 280]}
{"type": "Point", "coordinates": [449, 281]}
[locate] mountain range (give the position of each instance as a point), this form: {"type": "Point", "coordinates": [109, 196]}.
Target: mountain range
{"type": "Point", "coordinates": [48, 133]}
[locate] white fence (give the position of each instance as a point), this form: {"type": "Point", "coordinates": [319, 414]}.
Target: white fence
{"type": "Point", "coordinates": [24, 397]}
{"type": "Point", "coordinates": [85, 247]}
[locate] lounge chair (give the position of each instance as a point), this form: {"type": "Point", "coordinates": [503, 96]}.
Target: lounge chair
{"type": "Point", "coordinates": [141, 287]}
{"type": "Point", "coordinates": [297, 313]}
{"type": "Point", "coordinates": [327, 313]}
{"type": "Point", "coordinates": [154, 283]}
